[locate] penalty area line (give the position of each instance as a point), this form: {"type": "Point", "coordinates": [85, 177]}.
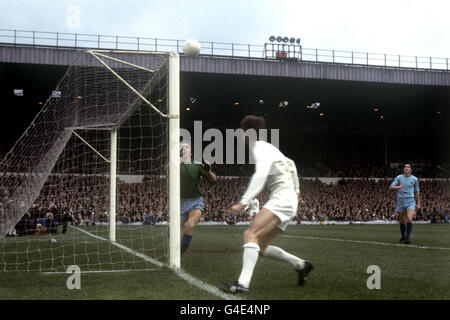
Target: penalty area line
{"type": "Point", "coordinates": [366, 242]}
{"type": "Point", "coordinates": [180, 273]}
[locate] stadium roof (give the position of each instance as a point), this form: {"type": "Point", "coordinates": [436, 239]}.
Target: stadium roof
{"type": "Point", "coordinates": [222, 100]}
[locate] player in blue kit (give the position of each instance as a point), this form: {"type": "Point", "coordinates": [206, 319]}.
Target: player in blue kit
{"type": "Point", "coordinates": [408, 199]}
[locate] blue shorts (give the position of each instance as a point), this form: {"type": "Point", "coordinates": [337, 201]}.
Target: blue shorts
{"type": "Point", "coordinates": [405, 203]}
{"type": "Point", "coordinates": [187, 205]}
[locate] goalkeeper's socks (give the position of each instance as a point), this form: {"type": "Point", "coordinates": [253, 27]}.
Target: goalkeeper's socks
{"type": "Point", "coordinates": [185, 242]}
{"type": "Point", "coordinates": [279, 254]}
{"type": "Point", "coordinates": [408, 229]}
{"type": "Point", "coordinates": [250, 257]}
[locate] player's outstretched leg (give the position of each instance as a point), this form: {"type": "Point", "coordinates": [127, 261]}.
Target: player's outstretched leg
{"type": "Point", "coordinates": [262, 230]}
{"type": "Point", "coordinates": [303, 267]}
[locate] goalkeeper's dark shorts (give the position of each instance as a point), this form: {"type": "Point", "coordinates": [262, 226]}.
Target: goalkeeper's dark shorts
{"type": "Point", "coordinates": [187, 205]}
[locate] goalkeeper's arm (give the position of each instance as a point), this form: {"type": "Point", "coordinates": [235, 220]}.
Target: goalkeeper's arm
{"type": "Point", "coordinates": [211, 177]}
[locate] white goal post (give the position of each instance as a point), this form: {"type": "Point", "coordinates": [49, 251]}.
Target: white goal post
{"type": "Point", "coordinates": [174, 160]}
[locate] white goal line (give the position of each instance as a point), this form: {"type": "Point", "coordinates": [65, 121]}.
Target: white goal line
{"type": "Point", "coordinates": [103, 271]}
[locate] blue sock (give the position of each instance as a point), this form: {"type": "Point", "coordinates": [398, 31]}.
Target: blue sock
{"type": "Point", "coordinates": [403, 229]}
{"type": "Point", "coordinates": [185, 242]}
{"type": "Point", "coordinates": [408, 229]}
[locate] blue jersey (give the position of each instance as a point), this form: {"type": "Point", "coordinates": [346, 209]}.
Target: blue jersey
{"type": "Point", "coordinates": [410, 186]}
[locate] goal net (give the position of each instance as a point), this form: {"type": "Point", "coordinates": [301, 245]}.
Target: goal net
{"type": "Point", "coordinates": [92, 181]}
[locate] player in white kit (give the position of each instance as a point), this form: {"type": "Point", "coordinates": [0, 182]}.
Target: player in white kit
{"type": "Point", "coordinates": [279, 175]}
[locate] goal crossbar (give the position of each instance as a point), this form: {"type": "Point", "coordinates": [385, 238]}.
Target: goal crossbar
{"type": "Point", "coordinates": [124, 62]}
{"type": "Point", "coordinates": [131, 87]}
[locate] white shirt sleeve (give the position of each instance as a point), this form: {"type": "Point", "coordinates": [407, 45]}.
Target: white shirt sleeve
{"type": "Point", "coordinates": [293, 172]}
{"type": "Point", "coordinates": [263, 163]}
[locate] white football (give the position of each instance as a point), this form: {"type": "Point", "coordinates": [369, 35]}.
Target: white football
{"type": "Point", "coordinates": [53, 240]}
{"type": "Point", "coordinates": [191, 48]}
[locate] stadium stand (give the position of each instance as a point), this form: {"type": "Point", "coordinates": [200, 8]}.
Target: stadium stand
{"type": "Point", "coordinates": [350, 199]}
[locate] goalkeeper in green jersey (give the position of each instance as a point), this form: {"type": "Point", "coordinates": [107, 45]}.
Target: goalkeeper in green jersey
{"type": "Point", "coordinates": [192, 203]}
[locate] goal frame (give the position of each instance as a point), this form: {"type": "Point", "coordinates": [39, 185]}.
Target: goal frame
{"type": "Point", "coordinates": [132, 89]}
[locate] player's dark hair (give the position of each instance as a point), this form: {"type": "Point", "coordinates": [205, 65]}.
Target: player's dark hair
{"type": "Point", "coordinates": [253, 122]}
{"type": "Point", "coordinates": [410, 164]}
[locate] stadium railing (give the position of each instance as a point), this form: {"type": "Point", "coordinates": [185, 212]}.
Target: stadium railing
{"type": "Point", "coordinates": [218, 49]}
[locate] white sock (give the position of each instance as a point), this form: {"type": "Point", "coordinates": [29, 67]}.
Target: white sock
{"type": "Point", "coordinates": [251, 253]}
{"type": "Point", "coordinates": [277, 253]}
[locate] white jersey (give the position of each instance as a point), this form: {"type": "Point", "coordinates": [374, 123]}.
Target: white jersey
{"type": "Point", "coordinates": [273, 170]}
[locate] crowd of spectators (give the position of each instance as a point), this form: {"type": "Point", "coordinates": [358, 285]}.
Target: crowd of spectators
{"type": "Point", "coordinates": [348, 200]}
{"type": "Point", "coordinates": [368, 200]}
{"type": "Point", "coordinates": [85, 200]}
{"type": "Point", "coordinates": [344, 165]}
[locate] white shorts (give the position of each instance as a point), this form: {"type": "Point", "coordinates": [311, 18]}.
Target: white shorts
{"type": "Point", "coordinates": [284, 205]}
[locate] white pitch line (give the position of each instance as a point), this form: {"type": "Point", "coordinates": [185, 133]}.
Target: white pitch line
{"type": "Point", "coordinates": [180, 273]}
{"type": "Point", "coordinates": [102, 271]}
{"type": "Point", "coordinates": [88, 233]}
{"type": "Point", "coordinates": [205, 286]}
{"type": "Point", "coordinates": [367, 242]}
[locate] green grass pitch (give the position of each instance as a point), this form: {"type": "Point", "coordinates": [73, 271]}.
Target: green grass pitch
{"type": "Point", "coordinates": [341, 255]}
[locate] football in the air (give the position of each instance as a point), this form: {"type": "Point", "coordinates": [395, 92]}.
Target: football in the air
{"type": "Point", "coordinates": [191, 48]}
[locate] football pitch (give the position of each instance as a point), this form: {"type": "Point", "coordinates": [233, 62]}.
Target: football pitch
{"type": "Point", "coordinates": [341, 255]}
